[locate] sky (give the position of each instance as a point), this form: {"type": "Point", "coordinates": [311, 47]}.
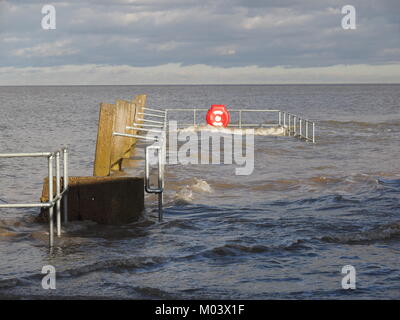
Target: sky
{"type": "Point", "coordinates": [199, 42]}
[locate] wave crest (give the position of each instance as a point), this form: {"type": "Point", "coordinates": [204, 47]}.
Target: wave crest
{"type": "Point", "coordinates": [271, 131]}
{"type": "Point", "coordinates": [382, 233]}
{"type": "Point", "coordinates": [186, 194]}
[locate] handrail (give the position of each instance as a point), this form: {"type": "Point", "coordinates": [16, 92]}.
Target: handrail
{"type": "Point", "coordinates": [148, 187]}
{"type": "Point", "coordinates": [148, 125]}
{"type": "Point", "coordinates": [137, 136]}
{"type": "Point", "coordinates": [151, 115]}
{"type": "Point", "coordinates": [142, 129]}
{"type": "Point", "coordinates": [240, 124]}
{"type": "Point", "coordinates": [158, 127]}
{"type": "Point", "coordinates": [296, 125]}
{"type": "Point", "coordinates": [151, 121]}
{"type": "Point", "coordinates": [26, 155]}
{"type": "Point", "coordinates": [161, 152]}
{"type": "Point", "coordinates": [292, 124]}
{"type": "Point", "coordinates": [155, 110]}
{"type": "Point", "coordinates": [230, 110]}
{"type": "Point", "coordinates": [60, 191]}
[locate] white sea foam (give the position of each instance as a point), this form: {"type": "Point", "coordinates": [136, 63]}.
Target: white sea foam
{"type": "Point", "coordinates": [184, 196]}
{"type": "Point", "coordinates": [272, 131]}
{"type": "Point", "coordinates": [201, 186]}
{"type": "Point", "coordinates": [186, 193]}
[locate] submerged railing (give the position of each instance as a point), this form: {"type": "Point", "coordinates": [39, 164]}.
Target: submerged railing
{"type": "Point", "coordinates": [297, 126]}
{"type": "Point", "coordinates": [293, 125]}
{"type": "Point", "coordinates": [60, 194]}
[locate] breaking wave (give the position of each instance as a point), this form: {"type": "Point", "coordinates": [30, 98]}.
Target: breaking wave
{"type": "Point", "coordinates": [361, 124]}
{"type": "Point", "coordinates": [317, 181]}
{"type": "Point", "coordinates": [115, 265]}
{"type": "Point", "coordinates": [240, 249]}
{"type": "Point", "coordinates": [389, 182]}
{"type": "Point", "coordinates": [186, 194]}
{"type": "Point", "coordinates": [272, 131]}
{"type": "Point", "coordinates": [382, 233]}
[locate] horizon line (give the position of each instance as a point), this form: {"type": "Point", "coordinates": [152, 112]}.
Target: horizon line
{"type": "Point", "coordinates": [205, 84]}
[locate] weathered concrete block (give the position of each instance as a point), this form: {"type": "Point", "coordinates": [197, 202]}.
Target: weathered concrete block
{"type": "Point", "coordinates": [105, 200]}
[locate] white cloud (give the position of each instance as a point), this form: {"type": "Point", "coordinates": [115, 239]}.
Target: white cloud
{"type": "Point", "coordinates": [226, 51]}
{"type": "Point", "coordinates": [165, 46]}
{"type": "Point", "coordinates": [58, 48]}
{"type": "Point", "coordinates": [223, 35]}
{"type": "Point", "coordinates": [195, 74]}
{"type": "Point", "coordinates": [391, 51]}
{"type": "Point", "coordinates": [277, 18]}
{"type": "Point", "coordinates": [14, 39]}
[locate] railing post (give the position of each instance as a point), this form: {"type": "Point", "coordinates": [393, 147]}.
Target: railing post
{"type": "Point", "coordinates": [65, 187]}
{"type": "Point", "coordinates": [284, 122]}
{"type": "Point", "coordinates": [160, 207]}
{"type": "Point", "coordinates": [194, 117]}
{"type": "Point", "coordinates": [51, 227]}
{"type": "Point", "coordinates": [307, 130]}
{"type": "Point", "coordinates": [301, 129]}
{"type": "Point", "coordinates": [289, 124]}
{"type": "Point", "coordinates": [58, 193]}
{"type": "Point", "coordinates": [160, 183]}
{"type": "Point", "coordinates": [240, 119]}
{"type": "Point", "coordinates": [313, 132]}
{"type": "Point", "coordinates": [280, 118]}
{"type": "Point", "coordinates": [160, 189]}
{"type": "Point", "coordinates": [294, 125]}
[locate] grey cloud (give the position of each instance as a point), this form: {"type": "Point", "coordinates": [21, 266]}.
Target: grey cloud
{"type": "Point", "coordinates": [221, 33]}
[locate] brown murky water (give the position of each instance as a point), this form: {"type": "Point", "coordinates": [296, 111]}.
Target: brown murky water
{"type": "Point", "coordinates": [285, 231]}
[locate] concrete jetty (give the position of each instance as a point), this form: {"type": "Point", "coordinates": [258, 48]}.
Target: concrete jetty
{"type": "Point", "coordinates": [107, 198]}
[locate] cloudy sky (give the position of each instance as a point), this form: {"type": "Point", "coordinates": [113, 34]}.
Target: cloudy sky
{"type": "Point", "coordinates": [192, 42]}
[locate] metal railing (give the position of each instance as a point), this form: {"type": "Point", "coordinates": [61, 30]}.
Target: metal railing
{"type": "Point", "coordinates": [159, 141]}
{"type": "Point", "coordinates": [55, 196]}
{"type": "Point", "coordinates": [159, 144]}
{"type": "Point", "coordinates": [297, 126]}
{"type": "Point", "coordinates": [292, 124]}
{"type": "Point", "coordinates": [161, 147]}
{"type": "Point", "coordinates": [239, 123]}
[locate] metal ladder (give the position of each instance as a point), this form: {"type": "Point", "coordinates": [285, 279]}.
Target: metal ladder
{"type": "Point", "coordinates": [158, 127]}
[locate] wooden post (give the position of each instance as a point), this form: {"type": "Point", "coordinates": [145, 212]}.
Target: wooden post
{"type": "Point", "coordinates": [120, 145]}
{"type": "Point", "coordinates": [104, 140]}
{"type": "Point", "coordinates": [130, 142]}
{"type": "Point", "coordinates": [111, 150]}
{"type": "Point", "coordinates": [140, 102]}
{"type": "Point", "coordinates": [130, 121]}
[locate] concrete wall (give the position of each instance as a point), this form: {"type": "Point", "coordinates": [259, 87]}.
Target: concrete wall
{"type": "Point", "coordinates": [105, 200]}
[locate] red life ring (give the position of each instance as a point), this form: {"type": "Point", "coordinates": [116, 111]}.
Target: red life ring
{"type": "Point", "coordinates": [218, 116]}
